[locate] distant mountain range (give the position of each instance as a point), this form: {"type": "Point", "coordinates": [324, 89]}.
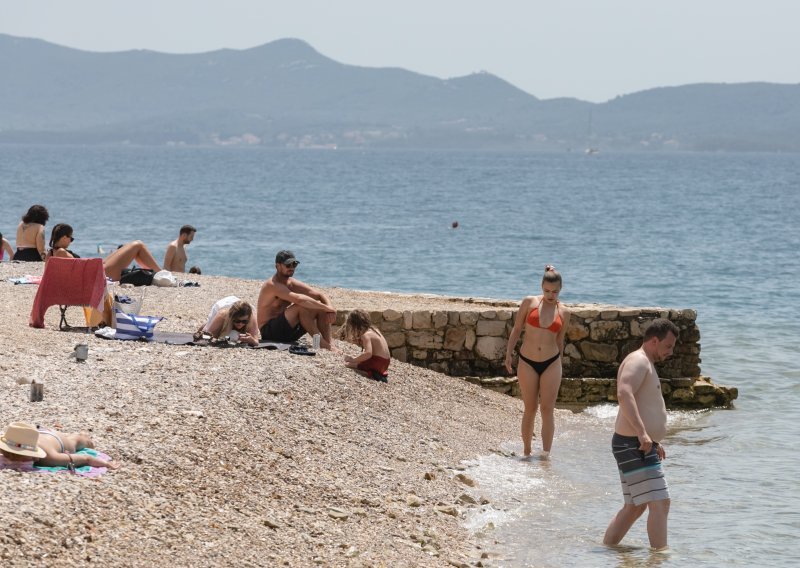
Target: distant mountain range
{"type": "Point", "coordinates": [286, 94]}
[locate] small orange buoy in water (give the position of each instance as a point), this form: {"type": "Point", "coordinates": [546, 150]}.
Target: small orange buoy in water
{"type": "Point", "coordinates": [454, 224]}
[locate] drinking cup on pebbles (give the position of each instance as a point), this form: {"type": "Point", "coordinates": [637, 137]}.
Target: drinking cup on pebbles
{"type": "Point", "coordinates": [37, 392]}
{"type": "Point", "coordinates": [82, 351]}
{"type": "Point", "coordinates": [316, 339]}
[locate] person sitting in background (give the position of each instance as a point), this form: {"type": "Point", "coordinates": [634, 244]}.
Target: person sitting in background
{"type": "Point", "coordinates": [374, 360]}
{"type": "Point", "coordinates": [23, 442]}
{"type": "Point", "coordinates": [175, 258]}
{"type": "Point", "coordinates": [30, 235]}
{"type": "Point", "coordinates": [5, 248]}
{"type": "Point", "coordinates": [61, 237]}
{"type": "Point", "coordinates": [195, 270]}
{"type": "Point", "coordinates": [233, 318]}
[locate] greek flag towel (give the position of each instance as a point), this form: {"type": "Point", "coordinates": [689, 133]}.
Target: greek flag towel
{"type": "Point", "coordinates": [131, 326]}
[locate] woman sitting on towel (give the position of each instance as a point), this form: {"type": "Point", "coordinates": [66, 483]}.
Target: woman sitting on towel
{"type": "Point", "coordinates": [114, 263]}
{"type": "Point", "coordinates": [232, 318]}
{"type": "Point", "coordinates": [30, 234]}
{"type": "Point", "coordinates": [24, 442]}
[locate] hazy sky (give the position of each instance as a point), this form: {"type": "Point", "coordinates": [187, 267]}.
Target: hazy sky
{"type": "Point", "coordinates": [589, 49]}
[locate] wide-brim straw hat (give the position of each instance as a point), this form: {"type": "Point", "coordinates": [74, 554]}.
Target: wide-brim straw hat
{"type": "Point", "coordinates": [21, 439]}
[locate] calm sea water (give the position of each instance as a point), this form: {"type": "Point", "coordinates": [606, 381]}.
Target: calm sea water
{"type": "Point", "coordinates": [717, 233]}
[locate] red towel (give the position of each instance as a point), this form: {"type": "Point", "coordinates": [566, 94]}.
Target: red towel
{"type": "Point", "coordinates": [69, 282]}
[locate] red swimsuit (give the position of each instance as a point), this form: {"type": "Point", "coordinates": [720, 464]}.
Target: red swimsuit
{"type": "Point", "coordinates": [533, 320]}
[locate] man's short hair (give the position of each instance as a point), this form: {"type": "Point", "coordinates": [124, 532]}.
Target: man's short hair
{"type": "Point", "coordinates": [660, 328]}
{"type": "Point", "coordinates": [284, 256]}
{"type": "Point", "coordinates": [187, 230]}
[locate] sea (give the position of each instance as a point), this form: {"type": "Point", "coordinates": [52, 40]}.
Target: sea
{"type": "Point", "coordinates": [717, 233]}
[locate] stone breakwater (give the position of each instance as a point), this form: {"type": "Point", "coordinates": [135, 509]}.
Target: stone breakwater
{"type": "Point", "coordinates": [470, 341]}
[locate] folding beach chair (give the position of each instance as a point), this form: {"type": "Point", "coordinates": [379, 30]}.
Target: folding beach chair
{"type": "Point", "coordinates": [70, 282]}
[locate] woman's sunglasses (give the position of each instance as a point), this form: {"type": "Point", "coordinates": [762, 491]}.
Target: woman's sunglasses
{"type": "Point", "coordinates": [241, 321]}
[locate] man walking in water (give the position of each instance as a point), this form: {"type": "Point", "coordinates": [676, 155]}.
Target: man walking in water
{"type": "Point", "coordinates": [288, 309]}
{"type": "Point", "coordinates": [641, 425]}
{"type": "Point", "coordinates": [175, 257]}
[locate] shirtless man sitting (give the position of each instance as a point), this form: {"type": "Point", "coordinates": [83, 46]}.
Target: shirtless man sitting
{"type": "Point", "coordinates": [175, 257]}
{"type": "Point", "coordinates": [23, 442]}
{"type": "Point", "coordinates": [288, 309]}
{"type": "Point", "coordinates": [641, 425]}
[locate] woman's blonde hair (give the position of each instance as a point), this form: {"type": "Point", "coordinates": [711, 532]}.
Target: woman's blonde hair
{"type": "Point", "coordinates": [238, 310]}
{"type": "Point", "coordinates": [356, 325]}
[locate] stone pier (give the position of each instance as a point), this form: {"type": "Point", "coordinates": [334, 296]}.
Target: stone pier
{"type": "Point", "coordinates": [468, 337]}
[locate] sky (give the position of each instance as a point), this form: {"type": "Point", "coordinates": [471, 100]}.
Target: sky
{"type": "Point", "coordinates": [593, 50]}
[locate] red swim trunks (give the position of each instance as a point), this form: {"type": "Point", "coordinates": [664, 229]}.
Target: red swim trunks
{"type": "Point", "coordinates": [375, 364]}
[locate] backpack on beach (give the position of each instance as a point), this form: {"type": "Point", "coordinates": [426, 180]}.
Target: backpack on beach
{"type": "Point", "coordinates": [137, 276]}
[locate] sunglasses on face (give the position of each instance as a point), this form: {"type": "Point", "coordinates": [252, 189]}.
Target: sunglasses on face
{"type": "Point", "coordinates": [291, 263]}
{"type": "Point", "coordinates": [241, 321]}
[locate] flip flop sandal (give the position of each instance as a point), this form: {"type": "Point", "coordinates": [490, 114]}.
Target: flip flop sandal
{"type": "Point", "coordinates": [380, 377]}
{"type": "Point", "coordinates": [301, 350]}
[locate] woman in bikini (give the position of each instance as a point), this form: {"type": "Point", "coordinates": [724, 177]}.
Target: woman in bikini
{"type": "Point", "coordinates": [61, 237]}
{"type": "Point", "coordinates": [545, 322]}
{"type": "Point", "coordinates": [30, 235]}
{"type": "Point", "coordinates": [23, 442]}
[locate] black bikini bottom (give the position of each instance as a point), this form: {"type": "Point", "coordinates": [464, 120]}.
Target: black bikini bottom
{"type": "Point", "coordinates": [540, 366]}
{"type": "Point", "coordinates": [30, 254]}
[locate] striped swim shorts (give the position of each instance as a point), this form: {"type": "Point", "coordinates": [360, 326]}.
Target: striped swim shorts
{"type": "Point", "coordinates": [641, 475]}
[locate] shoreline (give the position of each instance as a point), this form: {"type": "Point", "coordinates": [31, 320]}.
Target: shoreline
{"type": "Point", "coordinates": [239, 457]}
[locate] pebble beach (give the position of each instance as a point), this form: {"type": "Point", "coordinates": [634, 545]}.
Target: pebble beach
{"type": "Point", "coordinates": [240, 457]}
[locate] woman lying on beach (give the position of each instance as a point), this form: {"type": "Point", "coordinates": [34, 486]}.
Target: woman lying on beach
{"type": "Point", "coordinates": [233, 318]}
{"type": "Point", "coordinates": [5, 249]}
{"type": "Point", "coordinates": [30, 235]}
{"type": "Point", "coordinates": [61, 237]}
{"type": "Point", "coordinates": [23, 442]}
{"type": "Point", "coordinates": [374, 360]}
{"type": "Point", "coordinates": [539, 371]}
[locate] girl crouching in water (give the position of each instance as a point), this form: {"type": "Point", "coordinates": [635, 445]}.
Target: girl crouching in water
{"type": "Point", "coordinates": [374, 360]}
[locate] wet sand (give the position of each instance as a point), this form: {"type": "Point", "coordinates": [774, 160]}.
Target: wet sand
{"type": "Point", "coordinates": [239, 457]}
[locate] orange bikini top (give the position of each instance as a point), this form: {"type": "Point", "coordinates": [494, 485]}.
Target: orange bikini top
{"type": "Point", "coordinates": [533, 319]}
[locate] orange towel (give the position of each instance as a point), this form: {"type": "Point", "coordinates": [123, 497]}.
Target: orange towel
{"type": "Point", "coordinates": [69, 282]}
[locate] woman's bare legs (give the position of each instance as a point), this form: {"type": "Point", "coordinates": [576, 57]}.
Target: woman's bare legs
{"type": "Point", "coordinates": [549, 383]}
{"type": "Point", "coordinates": [121, 258]}
{"type": "Point", "coordinates": [529, 388]}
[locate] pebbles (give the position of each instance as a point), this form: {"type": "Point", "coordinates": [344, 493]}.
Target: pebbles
{"type": "Point", "coordinates": [236, 456]}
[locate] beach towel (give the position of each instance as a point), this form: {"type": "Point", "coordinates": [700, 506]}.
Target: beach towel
{"type": "Point", "coordinates": [69, 282]}
{"type": "Point", "coordinates": [176, 338]}
{"type": "Point", "coordinates": [85, 471]}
